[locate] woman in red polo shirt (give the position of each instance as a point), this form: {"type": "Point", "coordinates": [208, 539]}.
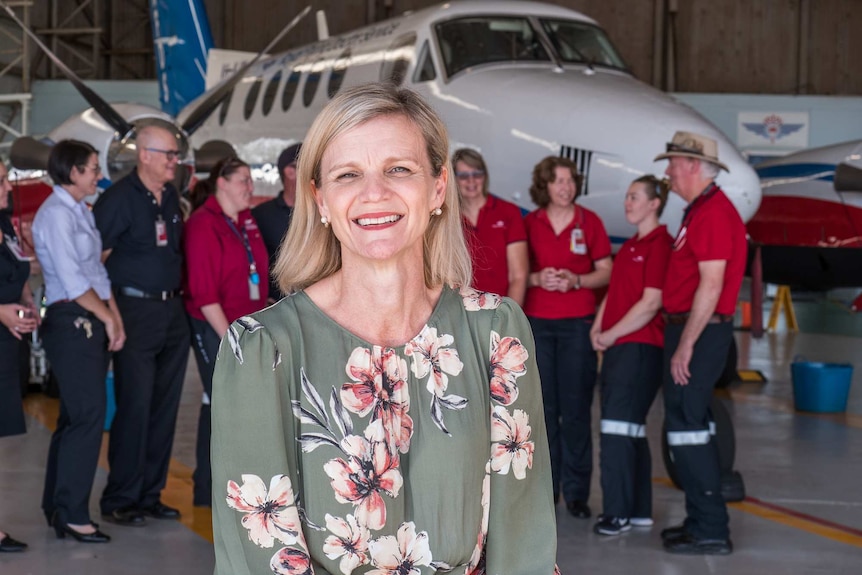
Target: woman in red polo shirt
{"type": "Point", "coordinates": [630, 332]}
{"type": "Point", "coordinates": [227, 267]}
{"type": "Point", "coordinates": [494, 230]}
{"type": "Point", "coordinates": [570, 255]}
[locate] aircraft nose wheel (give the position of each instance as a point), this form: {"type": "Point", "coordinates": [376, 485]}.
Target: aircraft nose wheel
{"type": "Point", "coordinates": [732, 485]}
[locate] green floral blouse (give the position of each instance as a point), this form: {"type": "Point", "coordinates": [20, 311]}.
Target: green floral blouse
{"type": "Point", "coordinates": [335, 456]}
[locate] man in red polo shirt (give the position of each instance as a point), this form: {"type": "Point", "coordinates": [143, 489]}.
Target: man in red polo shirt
{"type": "Point", "coordinates": [705, 271]}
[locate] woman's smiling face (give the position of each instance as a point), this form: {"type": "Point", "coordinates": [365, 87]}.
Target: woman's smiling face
{"type": "Point", "coordinates": [378, 189]}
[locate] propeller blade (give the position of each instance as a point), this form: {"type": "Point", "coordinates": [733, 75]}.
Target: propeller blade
{"type": "Point", "coordinates": [210, 153]}
{"type": "Point", "coordinates": [200, 114]}
{"type": "Point", "coordinates": [102, 107]}
{"type": "Point", "coordinates": [29, 154]}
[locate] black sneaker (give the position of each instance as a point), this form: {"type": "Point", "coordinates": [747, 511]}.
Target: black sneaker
{"type": "Point", "coordinates": [612, 526]}
{"type": "Point", "coordinates": [690, 545]}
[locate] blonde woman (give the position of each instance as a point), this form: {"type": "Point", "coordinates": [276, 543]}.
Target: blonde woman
{"type": "Point", "coordinates": [351, 425]}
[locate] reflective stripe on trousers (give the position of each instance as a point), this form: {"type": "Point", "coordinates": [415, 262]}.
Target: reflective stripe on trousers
{"type": "Point", "coordinates": [624, 428]}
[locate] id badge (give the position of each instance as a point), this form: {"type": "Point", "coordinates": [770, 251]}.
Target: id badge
{"type": "Point", "coordinates": [577, 244]}
{"type": "Point", "coordinates": [161, 233]}
{"type": "Point", "coordinates": [253, 290]}
{"type": "Point", "coordinates": [15, 248]}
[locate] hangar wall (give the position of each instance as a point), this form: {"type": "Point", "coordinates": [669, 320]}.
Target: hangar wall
{"type": "Point", "coordinates": [732, 46]}
{"type": "Point", "coordinates": [718, 46]}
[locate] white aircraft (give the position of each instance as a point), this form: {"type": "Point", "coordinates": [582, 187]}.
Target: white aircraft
{"type": "Point", "coordinates": [516, 80]}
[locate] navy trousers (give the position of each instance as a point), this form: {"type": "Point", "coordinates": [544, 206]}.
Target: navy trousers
{"type": "Point", "coordinates": [148, 383]}
{"type": "Point", "coordinates": [631, 376]}
{"type": "Point", "coordinates": [205, 343]}
{"type": "Point", "coordinates": [567, 366]}
{"type": "Point", "coordinates": [687, 421]}
{"type": "Point", "coordinates": [76, 345]}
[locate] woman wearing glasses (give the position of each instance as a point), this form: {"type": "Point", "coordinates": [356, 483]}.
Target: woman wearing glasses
{"type": "Point", "coordinates": [227, 271]}
{"type": "Point", "coordinates": [82, 325]}
{"type": "Point", "coordinates": [494, 230]}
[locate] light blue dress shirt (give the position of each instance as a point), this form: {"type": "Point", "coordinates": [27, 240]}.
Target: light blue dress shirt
{"type": "Point", "coordinates": [69, 249]}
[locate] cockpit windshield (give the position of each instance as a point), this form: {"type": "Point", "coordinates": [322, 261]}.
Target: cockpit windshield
{"type": "Point", "coordinates": [467, 42]}
{"type": "Point", "coordinates": [582, 43]}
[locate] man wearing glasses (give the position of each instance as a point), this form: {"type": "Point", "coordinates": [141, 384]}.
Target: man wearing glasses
{"type": "Point", "coordinates": [140, 222]}
{"type": "Point", "coordinates": [704, 273]}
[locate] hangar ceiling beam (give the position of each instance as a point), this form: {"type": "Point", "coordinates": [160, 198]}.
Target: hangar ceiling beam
{"type": "Point", "coordinates": [74, 31]}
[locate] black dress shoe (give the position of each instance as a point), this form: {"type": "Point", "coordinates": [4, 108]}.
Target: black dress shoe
{"type": "Point", "coordinates": [579, 509]}
{"type": "Point", "coordinates": [129, 516]}
{"type": "Point", "coordinates": [688, 544]}
{"type": "Point", "coordinates": [161, 511]}
{"type": "Point", "coordinates": [62, 529]}
{"type": "Point", "coordinates": [9, 545]}
{"type": "Point", "coordinates": [674, 532]}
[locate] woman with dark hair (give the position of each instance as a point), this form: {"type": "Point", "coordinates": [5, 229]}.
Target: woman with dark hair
{"type": "Point", "coordinates": [494, 230]}
{"type": "Point", "coordinates": [227, 266]}
{"type": "Point", "coordinates": [384, 417]}
{"type": "Point", "coordinates": [570, 255]}
{"type": "Point", "coordinates": [82, 325]}
{"type": "Point", "coordinates": [19, 317]}
{"type": "Point", "coordinates": [630, 332]}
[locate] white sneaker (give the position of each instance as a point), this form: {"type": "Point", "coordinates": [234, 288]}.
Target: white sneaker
{"type": "Point", "coordinates": [642, 521]}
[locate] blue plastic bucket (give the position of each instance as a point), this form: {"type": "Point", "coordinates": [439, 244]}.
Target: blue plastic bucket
{"type": "Point", "coordinates": [821, 387]}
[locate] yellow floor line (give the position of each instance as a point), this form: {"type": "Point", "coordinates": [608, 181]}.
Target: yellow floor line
{"type": "Point", "coordinates": [788, 517]}
{"type": "Point", "coordinates": [177, 492]}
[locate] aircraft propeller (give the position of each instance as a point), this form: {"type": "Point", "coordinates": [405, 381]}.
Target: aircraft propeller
{"type": "Point", "coordinates": [30, 153]}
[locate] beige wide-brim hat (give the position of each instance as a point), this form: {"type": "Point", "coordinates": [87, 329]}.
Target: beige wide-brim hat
{"type": "Point", "coordinates": [689, 145]}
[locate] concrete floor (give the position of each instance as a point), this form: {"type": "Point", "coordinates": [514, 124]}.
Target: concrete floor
{"type": "Point", "coordinates": [802, 473]}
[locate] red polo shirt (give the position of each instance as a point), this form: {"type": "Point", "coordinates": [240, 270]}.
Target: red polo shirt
{"type": "Point", "coordinates": [498, 225]}
{"type": "Point", "coordinates": [217, 269]}
{"type": "Point", "coordinates": [548, 249]}
{"type": "Point", "coordinates": [640, 263]}
{"type": "Point", "coordinates": [711, 230]}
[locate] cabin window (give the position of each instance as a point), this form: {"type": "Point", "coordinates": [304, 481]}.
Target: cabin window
{"type": "Point", "coordinates": [582, 43]}
{"type": "Point", "coordinates": [339, 70]}
{"type": "Point", "coordinates": [468, 42]}
{"type": "Point", "coordinates": [251, 98]}
{"type": "Point", "coordinates": [312, 81]}
{"type": "Point", "coordinates": [269, 94]}
{"type": "Point", "coordinates": [425, 69]}
{"type": "Point", "coordinates": [397, 59]}
{"type": "Point", "coordinates": [225, 106]}
{"type": "Point", "coordinates": [290, 88]}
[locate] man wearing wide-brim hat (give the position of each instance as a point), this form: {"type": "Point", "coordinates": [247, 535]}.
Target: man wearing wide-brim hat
{"type": "Point", "coordinates": [699, 298]}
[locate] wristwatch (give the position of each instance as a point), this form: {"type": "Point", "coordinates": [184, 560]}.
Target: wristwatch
{"type": "Point", "coordinates": [577, 282]}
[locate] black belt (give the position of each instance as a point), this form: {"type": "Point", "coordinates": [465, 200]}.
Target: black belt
{"type": "Point", "coordinates": [681, 318]}
{"type": "Point", "coordinates": [159, 295]}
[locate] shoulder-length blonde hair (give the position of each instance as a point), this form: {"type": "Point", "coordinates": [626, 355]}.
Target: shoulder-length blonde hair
{"type": "Point", "coordinates": [310, 252]}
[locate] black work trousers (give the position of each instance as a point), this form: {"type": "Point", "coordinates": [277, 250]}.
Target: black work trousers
{"type": "Point", "coordinates": [567, 366]}
{"type": "Point", "coordinates": [687, 422]}
{"type": "Point", "coordinates": [205, 342]}
{"type": "Point", "coordinates": [148, 383]}
{"type": "Point", "coordinates": [76, 345]}
{"type": "Point", "coordinates": [631, 376]}
{"type": "Point", "coordinates": [11, 410]}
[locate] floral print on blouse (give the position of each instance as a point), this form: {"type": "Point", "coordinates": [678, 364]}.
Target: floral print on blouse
{"type": "Point", "coordinates": [337, 456]}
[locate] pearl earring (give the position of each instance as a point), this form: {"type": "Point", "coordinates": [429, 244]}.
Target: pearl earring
{"type": "Point", "coordinates": [436, 211]}
{"type": "Point", "coordinates": [325, 221]}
